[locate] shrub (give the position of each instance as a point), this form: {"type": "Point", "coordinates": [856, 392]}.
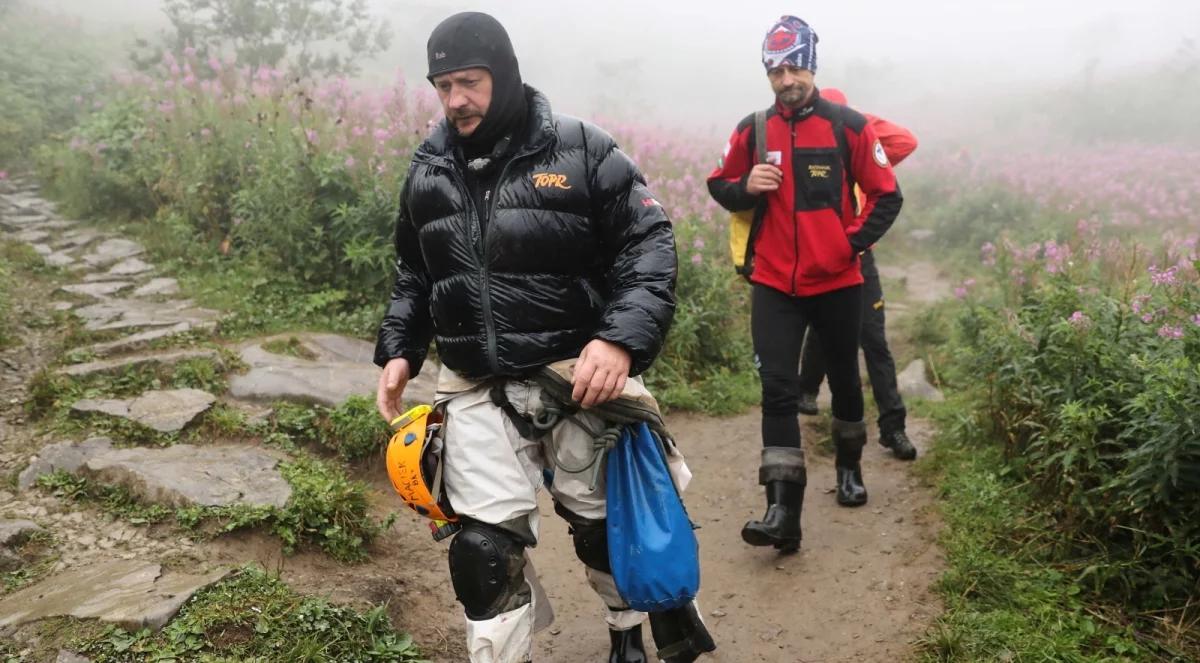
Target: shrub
{"type": "Point", "coordinates": [1092, 382]}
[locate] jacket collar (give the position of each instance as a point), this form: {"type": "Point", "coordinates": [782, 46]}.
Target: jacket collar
{"type": "Point", "coordinates": [791, 114]}
{"type": "Point", "coordinates": [539, 129]}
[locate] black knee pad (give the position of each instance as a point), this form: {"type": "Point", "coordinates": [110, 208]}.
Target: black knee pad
{"type": "Point", "coordinates": [487, 566]}
{"type": "Point", "coordinates": [590, 538]}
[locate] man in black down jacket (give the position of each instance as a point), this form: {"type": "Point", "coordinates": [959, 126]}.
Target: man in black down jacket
{"type": "Point", "coordinates": [524, 238]}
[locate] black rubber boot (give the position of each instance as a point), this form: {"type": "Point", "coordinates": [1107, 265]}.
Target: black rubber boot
{"type": "Point", "coordinates": [808, 404]}
{"type": "Point", "coordinates": [627, 646]}
{"type": "Point", "coordinates": [900, 445]}
{"type": "Point", "coordinates": [780, 527]}
{"type": "Point", "coordinates": [849, 439]}
{"type": "Point", "coordinates": [680, 634]}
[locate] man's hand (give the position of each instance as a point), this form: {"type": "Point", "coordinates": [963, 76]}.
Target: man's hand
{"type": "Point", "coordinates": [600, 373]}
{"type": "Point", "coordinates": [391, 386]}
{"type": "Point", "coordinates": [763, 178]}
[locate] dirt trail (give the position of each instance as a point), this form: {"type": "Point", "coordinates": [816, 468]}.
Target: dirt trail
{"type": "Point", "coordinates": [859, 590]}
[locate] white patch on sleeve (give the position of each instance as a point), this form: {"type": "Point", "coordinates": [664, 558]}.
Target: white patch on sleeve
{"type": "Point", "coordinates": [880, 155]}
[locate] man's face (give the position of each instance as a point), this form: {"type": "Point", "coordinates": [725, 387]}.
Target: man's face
{"type": "Point", "coordinates": [792, 84]}
{"type": "Point", "coordinates": [465, 96]}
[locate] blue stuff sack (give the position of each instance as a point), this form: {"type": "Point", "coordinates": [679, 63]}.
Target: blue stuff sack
{"type": "Point", "coordinates": [652, 549]}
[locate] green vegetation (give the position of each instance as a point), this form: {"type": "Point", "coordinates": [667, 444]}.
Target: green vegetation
{"type": "Point", "coordinates": [252, 616]}
{"type": "Point", "coordinates": [42, 90]}
{"type": "Point", "coordinates": [326, 509]}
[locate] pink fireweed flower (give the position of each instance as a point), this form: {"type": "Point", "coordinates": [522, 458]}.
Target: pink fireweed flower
{"type": "Point", "coordinates": [987, 254]}
{"type": "Point", "coordinates": [1138, 302]}
{"type": "Point", "coordinates": [350, 162]}
{"type": "Point", "coordinates": [698, 243]}
{"type": "Point", "coordinates": [697, 258]}
{"type": "Point", "coordinates": [190, 52]}
{"type": "Point", "coordinates": [4, 176]}
{"type": "Point", "coordinates": [1168, 331]}
{"type": "Point", "coordinates": [1162, 277]}
{"type": "Point", "coordinates": [311, 135]}
{"type": "Point", "coordinates": [1079, 319]}
{"type": "Point", "coordinates": [1196, 319]}
{"type": "Point", "coordinates": [214, 63]}
{"type": "Point", "coordinates": [205, 132]}
{"type": "Point", "coordinates": [960, 292]}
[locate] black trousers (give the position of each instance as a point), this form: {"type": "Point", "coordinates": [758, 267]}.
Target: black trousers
{"type": "Point", "coordinates": [777, 324]}
{"type": "Point", "coordinates": [881, 368]}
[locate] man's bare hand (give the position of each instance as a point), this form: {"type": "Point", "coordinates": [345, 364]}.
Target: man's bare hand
{"type": "Point", "coordinates": [600, 373]}
{"type": "Point", "coordinates": [763, 178]}
{"type": "Point", "coordinates": [392, 381]}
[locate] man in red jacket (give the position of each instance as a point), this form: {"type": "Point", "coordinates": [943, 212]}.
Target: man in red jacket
{"type": "Point", "coordinates": [803, 263]}
{"type": "Point", "coordinates": [898, 143]}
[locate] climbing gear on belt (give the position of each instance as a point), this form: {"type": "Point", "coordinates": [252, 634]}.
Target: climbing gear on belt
{"type": "Point", "coordinates": [414, 465]}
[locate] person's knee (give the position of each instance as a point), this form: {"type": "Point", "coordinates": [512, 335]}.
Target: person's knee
{"type": "Point", "coordinates": [780, 392]}
{"type": "Point", "coordinates": [590, 537]}
{"type": "Point", "coordinates": [487, 569]}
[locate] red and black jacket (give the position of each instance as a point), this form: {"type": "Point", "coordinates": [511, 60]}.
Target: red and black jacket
{"type": "Point", "coordinates": [806, 238]}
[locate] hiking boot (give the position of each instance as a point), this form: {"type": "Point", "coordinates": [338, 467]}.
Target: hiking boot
{"type": "Point", "coordinates": [808, 404]}
{"type": "Point", "coordinates": [900, 445]}
{"type": "Point", "coordinates": [848, 440]}
{"type": "Point", "coordinates": [680, 634]}
{"type": "Point", "coordinates": [627, 646]}
{"type": "Point", "coordinates": [780, 527]}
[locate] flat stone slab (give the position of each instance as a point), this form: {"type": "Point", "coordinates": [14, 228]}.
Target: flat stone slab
{"type": "Point", "coordinates": [184, 475]}
{"type": "Point", "coordinates": [142, 339]}
{"type": "Point", "coordinates": [912, 383]}
{"type": "Point", "coordinates": [130, 267]}
{"type": "Point", "coordinates": [59, 259]}
{"type": "Point", "coordinates": [15, 532]}
{"type": "Point", "coordinates": [98, 289]}
{"type": "Point", "coordinates": [138, 313]}
{"type": "Point", "coordinates": [168, 358]}
{"type": "Point", "coordinates": [77, 238]}
{"type": "Point", "coordinates": [65, 456]}
{"type": "Point", "coordinates": [167, 411]}
{"type": "Point", "coordinates": [158, 286]}
{"type": "Point", "coordinates": [132, 594]}
{"type": "Point", "coordinates": [341, 367]}
{"type": "Point", "coordinates": [32, 236]}
{"type": "Point", "coordinates": [112, 251]}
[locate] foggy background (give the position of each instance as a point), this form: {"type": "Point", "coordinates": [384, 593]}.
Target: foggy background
{"type": "Point", "coordinates": [931, 64]}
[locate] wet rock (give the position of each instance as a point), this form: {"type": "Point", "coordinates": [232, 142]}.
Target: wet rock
{"type": "Point", "coordinates": [159, 286]}
{"type": "Point", "coordinates": [66, 456]}
{"type": "Point", "coordinates": [15, 532]}
{"type": "Point", "coordinates": [77, 238]}
{"type": "Point", "coordinates": [167, 358]}
{"type": "Point", "coordinates": [129, 593]}
{"type": "Point", "coordinates": [912, 383]}
{"type": "Point", "coordinates": [167, 411]}
{"type": "Point", "coordinates": [136, 313]}
{"type": "Point", "coordinates": [142, 339]}
{"type": "Point", "coordinates": [59, 259]}
{"type": "Point", "coordinates": [32, 236]}
{"type": "Point", "coordinates": [339, 367]}
{"type": "Point", "coordinates": [99, 289]}
{"type": "Point", "coordinates": [112, 251]}
{"type": "Point", "coordinates": [130, 267]}
{"type": "Point", "coordinates": [42, 249]}
{"type": "Point", "coordinates": [185, 475]}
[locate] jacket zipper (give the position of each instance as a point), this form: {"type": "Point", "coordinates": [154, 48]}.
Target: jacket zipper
{"type": "Point", "coordinates": [795, 223]}
{"type": "Point", "coordinates": [485, 295]}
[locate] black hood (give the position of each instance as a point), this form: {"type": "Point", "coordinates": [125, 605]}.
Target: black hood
{"type": "Point", "coordinates": [473, 39]}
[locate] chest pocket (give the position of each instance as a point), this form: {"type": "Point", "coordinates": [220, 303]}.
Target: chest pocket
{"type": "Point", "coordinates": [818, 179]}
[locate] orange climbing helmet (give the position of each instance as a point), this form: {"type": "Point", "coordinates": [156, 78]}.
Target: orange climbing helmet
{"type": "Point", "coordinates": [415, 467]}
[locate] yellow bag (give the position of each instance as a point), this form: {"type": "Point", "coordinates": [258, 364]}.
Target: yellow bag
{"type": "Point", "coordinates": [741, 224]}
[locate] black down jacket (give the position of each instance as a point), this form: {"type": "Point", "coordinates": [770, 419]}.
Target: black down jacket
{"type": "Point", "coordinates": [576, 248]}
